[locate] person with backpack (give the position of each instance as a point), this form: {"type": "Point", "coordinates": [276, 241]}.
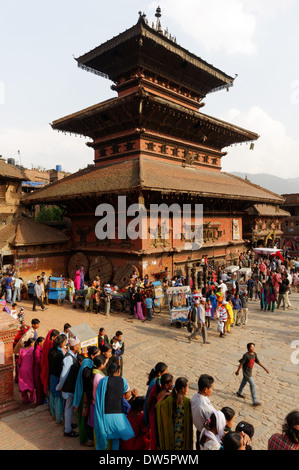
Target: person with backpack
{"type": "Point", "coordinates": [67, 383]}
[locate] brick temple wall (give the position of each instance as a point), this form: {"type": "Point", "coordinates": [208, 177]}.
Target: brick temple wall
{"type": "Point", "coordinates": [8, 330]}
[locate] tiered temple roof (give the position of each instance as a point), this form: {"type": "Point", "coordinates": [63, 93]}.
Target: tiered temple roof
{"type": "Point", "coordinates": [160, 89]}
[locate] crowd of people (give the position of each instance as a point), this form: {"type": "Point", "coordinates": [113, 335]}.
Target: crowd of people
{"type": "Point", "coordinates": [112, 416]}
{"type": "Point", "coordinates": [225, 297]}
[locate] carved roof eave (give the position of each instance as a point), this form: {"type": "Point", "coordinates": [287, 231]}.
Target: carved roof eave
{"type": "Point", "coordinates": [142, 29]}
{"type": "Point", "coordinates": [85, 122]}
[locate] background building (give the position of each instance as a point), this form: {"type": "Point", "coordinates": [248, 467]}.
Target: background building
{"type": "Point", "coordinates": [291, 224]}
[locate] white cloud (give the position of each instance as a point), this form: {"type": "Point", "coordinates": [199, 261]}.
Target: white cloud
{"type": "Point", "coordinates": [46, 148]}
{"type": "Point", "coordinates": [275, 152]}
{"type": "Point", "coordinates": [229, 26]}
{"type": "Point", "coordinates": [268, 8]}
{"type": "Point", "coordinates": [216, 25]}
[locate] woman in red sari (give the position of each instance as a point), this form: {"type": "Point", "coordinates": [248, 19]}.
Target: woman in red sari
{"type": "Point", "coordinates": [48, 344]}
{"type": "Point", "coordinates": [158, 392]}
{"type": "Point", "coordinates": [140, 441]}
{"type": "Point", "coordinates": [37, 356]}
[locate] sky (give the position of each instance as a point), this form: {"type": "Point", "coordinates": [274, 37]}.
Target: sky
{"type": "Point", "coordinates": [257, 40]}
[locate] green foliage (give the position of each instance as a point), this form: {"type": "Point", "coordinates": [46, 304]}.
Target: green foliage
{"type": "Point", "coordinates": [49, 214]}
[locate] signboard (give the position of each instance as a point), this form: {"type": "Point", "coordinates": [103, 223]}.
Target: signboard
{"type": "Point", "coordinates": [267, 251]}
{"type": "Point", "coordinates": [158, 289]}
{"type": "Point", "coordinates": [86, 335]}
{"type": "Point", "coordinates": [179, 314]}
{"type": "Point", "coordinates": [236, 231]}
{"type": "Point", "coordinates": [178, 290]}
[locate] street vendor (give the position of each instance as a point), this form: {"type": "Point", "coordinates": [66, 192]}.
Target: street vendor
{"type": "Point", "coordinates": [89, 298]}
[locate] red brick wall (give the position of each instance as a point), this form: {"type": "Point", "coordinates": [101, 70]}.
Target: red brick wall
{"type": "Point", "coordinates": [31, 267]}
{"type": "Point", "coordinates": [8, 330]}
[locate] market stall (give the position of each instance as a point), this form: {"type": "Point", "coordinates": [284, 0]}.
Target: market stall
{"type": "Point", "coordinates": [231, 270]}
{"type": "Point", "coordinates": [268, 252]}
{"type": "Point", "coordinates": [179, 303]}
{"type": "Point", "coordinates": [57, 290]}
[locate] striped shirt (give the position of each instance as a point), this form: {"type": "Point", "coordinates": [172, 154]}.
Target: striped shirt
{"type": "Point", "coordinates": [223, 313]}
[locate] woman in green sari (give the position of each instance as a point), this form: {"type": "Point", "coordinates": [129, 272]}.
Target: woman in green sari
{"type": "Point", "coordinates": [174, 419]}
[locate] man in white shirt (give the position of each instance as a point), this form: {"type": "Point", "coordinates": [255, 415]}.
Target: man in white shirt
{"type": "Point", "coordinates": [17, 289]}
{"type": "Point", "coordinates": [201, 406]}
{"type": "Point", "coordinates": [38, 293]}
{"type": "Point", "coordinates": [223, 287]}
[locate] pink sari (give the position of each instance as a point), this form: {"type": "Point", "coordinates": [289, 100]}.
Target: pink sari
{"type": "Point", "coordinates": [26, 379]}
{"type": "Point", "coordinates": [77, 280]}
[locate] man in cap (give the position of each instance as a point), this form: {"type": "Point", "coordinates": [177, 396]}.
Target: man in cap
{"type": "Point", "coordinates": [198, 318]}
{"type": "Point", "coordinates": [107, 297]}
{"type": "Point", "coordinates": [67, 385]}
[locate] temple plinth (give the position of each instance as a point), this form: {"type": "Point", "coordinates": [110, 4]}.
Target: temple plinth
{"type": "Point", "coordinates": [8, 331]}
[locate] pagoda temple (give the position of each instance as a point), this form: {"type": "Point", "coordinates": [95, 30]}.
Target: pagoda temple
{"type": "Point", "coordinates": [153, 144]}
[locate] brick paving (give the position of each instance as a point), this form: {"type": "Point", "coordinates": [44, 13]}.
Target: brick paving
{"type": "Point", "coordinates": [274, 334]}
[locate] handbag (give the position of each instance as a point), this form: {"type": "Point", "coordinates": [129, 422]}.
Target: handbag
{"type": "Point", "coordinates": [189, 327]}
{"type": "Point", "coordinates": [220, 327]}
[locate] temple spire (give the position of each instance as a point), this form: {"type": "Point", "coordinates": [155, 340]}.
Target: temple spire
{"type": "Point", "coordinates": [158, 16]}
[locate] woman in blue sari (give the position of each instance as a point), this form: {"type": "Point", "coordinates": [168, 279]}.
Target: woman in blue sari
{"type": "Point", "coordinates": [55, 358]}
{"type": "Point", "coordinates": [110, 422]}
{"type": "Point", "coordinates": [81, 402]}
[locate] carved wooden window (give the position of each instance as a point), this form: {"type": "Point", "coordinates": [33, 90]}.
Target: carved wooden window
{"type": "Point", "coordinates": [206, 159]}
{"type": "Point", "coordinates": [150, 146]}
{"type": "Point", "coordinates": [2, 191]}
{"type": "Point", "coordinates": [163, 148]}
{"type": "Point", "coordinates": [103, 152]}
{"type": "Point", "coordinates": [159, 238]}
{"type": "Point", "coordinates": [115, 148]}
{"type": "Point", "coordinates": [130, 145]}
{"type": "Point", "coordinates": [175, 151]}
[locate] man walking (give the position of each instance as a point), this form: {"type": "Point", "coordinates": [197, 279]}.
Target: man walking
{"type": "Point", "coordinates": [237, 307]}
{"type": "Point", "coordinates": [282, 294]}
{"type": "Point", "coordinates": [247, 363]}
{"type": "Point", "coordinates": [198, 317]}
{"type": "Point", "coordinates": [37, 296]}
{"type": "Point", "coordinates": [244, 301]}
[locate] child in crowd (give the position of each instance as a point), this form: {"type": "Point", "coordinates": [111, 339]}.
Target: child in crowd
{"type": "Point", "coordinates": [13, 311]}
{"type": "Point", "coordinates": [21, 315]}
{"type": "Point", "coordinates": [149, 307]}
{"type": "Point", "coordinates": [208, 313]}
{"type": "Point", "coordinates": [102, 338]}
{"type": "Point", "coordinates": [126, 398]}
{"type": "Point", "coordinates": [66, 331]}
{"type": "Point", "coordinates": [116, 346]}
{"type": "Point", "coordinates": [248, 431]}
{"type": "Point", "coordinates": [230, 417]}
